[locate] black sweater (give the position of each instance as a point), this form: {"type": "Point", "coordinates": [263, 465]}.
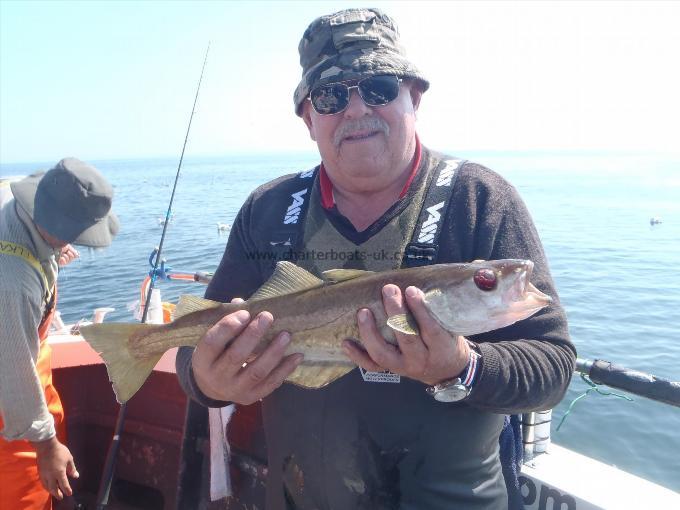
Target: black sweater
{"type": "Point", "coordinates": [526, 366]}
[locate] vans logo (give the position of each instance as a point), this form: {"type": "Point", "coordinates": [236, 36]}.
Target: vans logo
{"type": "Point", "coordinates": [446, 174]}
{"type": "Point", "coordinates": [287, 242]}
{"type": "Point", "coordinates": [293, 212]}
{"type": "Point", "coordinates": [306, 174]}
{"type": "Point", "coordinates": [429, 227]}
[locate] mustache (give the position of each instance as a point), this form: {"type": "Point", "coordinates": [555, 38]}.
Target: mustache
{"type": "Point", "coordinates": [363, 124]}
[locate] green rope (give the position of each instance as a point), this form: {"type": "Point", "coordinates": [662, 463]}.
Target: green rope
{"type": "Point", "coordinates": [593, 387]}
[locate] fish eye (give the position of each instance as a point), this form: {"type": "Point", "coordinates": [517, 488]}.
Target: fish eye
{"type": "Point", "coordinates": [485, 279]}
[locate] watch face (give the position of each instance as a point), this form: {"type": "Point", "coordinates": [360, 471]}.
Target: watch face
{"type": "Point", "coordinates": [452, 393]}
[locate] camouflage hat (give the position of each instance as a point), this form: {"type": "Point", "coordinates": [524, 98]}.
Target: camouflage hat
{"type": "Point", "coordinates": [350, 45]}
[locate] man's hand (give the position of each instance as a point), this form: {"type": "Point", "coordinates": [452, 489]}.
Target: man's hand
{"type": "Point", "coordinates": [55, 462]}
{"type": "Point", "coordinates": [68, 254]}
{"type": "Point", "coordinates": [431, 357]}
{"type": "Point", "coordinates": [219, 358]}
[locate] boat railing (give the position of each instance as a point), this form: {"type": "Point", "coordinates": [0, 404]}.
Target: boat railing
{"type": "Point", "coordinates": [536, 425]}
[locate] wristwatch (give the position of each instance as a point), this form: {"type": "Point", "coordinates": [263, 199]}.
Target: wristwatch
{"type": "Point", "coordinates": [455, 390]}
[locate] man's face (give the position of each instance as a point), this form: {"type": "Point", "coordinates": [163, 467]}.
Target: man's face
{"type": "Point", "coordinates": [364, 141]}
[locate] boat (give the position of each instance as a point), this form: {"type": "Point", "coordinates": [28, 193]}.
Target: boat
{"type": "Point", "coordinates": [164, 458]}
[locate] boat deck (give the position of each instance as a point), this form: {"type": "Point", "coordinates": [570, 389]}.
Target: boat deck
{"type": "Point", "coordinates": [149, 456]}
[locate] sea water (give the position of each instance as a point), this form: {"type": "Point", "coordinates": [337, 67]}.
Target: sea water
{"type": "Point", "coordinates": [618, 276]}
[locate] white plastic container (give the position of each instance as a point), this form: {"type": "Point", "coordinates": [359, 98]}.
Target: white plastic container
{"type": "Point", "coordinates": [155, 315]}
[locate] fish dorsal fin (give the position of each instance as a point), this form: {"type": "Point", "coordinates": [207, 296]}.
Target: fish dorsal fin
{"type": "Point", "coordinates": [188, 304]}
{"type": "Point", "coordinates": [340, 275]}
{"type": "Point", "coordinates": [404, 323]}
{"type": "Point", "coordinates": [286, 279]}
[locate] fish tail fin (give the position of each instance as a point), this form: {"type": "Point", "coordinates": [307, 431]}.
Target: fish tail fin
{"type": "Point", "coordinates": [111, 341]}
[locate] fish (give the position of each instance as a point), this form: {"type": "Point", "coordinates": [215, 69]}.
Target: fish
{"type": "Point", "coordinates": [319, 313]}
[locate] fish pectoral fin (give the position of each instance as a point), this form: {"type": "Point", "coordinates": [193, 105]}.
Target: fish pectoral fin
{"type": "Point", "coordinates": [340, 275]}
{"type": "Point", "coordinates": [433, 293]}
{"type": "Point", "coordinates": [286, 279]}
{"type": "Point", "coordinates": [404, 323]}
{"type": "Point", "coordinates": [126, 373]}
{"type": "Point", "coordinates": [188, 304]}
{"type": "Point", "coordinates": [317, 376]}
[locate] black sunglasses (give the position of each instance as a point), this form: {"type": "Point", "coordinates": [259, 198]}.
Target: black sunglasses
{"type": "Point", "coordinates": [333, 98]}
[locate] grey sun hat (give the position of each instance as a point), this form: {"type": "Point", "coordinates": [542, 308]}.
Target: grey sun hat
{"type": "Point", "coordinates": [350, 45]}
{"type": "Point", "coordinates": [72, 202]}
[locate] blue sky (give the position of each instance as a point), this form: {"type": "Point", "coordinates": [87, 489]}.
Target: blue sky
{"type": "Point", "coordinates": [117, 79]}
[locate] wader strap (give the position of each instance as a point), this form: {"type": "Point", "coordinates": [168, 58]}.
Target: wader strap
{"type": "Point", "coordinates": [424, 245]}
{"type": "Point", "coordinates": [18, 250]}
{"type": "Point", "coordinates": [287, 235]}
{"type": "Point", "coordinates": [423, 250]}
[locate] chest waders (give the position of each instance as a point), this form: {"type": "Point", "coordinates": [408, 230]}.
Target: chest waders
{"type": "Point", "coordinates": [359, 444]}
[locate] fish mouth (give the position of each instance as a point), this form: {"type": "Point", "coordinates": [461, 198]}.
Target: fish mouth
{"type": "Point", "coordinates": [523, 291]}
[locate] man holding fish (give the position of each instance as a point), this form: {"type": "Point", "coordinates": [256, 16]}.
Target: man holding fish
{"type": "Point", "coordinates": [369, 295]}
{"type": "Point", "coordinates": [375, 437]}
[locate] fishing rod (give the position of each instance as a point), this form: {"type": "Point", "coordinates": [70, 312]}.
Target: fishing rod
{"type": "Point", "coordinates": [632, 381]}
{"type": "Point", "coordinates": [112, 454]}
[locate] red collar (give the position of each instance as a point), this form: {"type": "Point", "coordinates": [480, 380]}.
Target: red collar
{"type": "Point", "coordinates": [326, 185]}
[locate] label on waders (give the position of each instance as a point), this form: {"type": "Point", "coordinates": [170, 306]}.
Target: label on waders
{"type": "Point", "coordinates": [380, 377]}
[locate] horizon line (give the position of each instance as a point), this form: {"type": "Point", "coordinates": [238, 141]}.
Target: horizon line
{"type": "Point", "coordinates": [305, 153]}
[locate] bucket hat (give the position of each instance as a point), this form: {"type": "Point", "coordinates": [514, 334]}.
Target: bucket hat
{"type": "Point", "coordinates": [350, 45]}
{"type": "Point", "coordinates": [71, 201]}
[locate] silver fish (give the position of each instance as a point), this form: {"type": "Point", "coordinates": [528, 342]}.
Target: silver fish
{"type": "Point", "coordinates": [320, 313]}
